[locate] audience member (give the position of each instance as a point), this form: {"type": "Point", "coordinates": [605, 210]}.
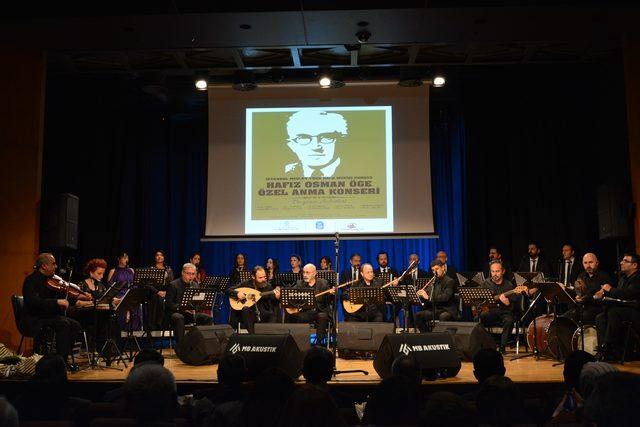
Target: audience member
{"type": "Point", "coordinates": [448, 409]}
{"type": "Point", "coordinates": [499, 402]}
{"type": "Point", "coordinates": [317, 367]}
{"type": "Point", "coordinates": [394, 402]}
{"type": "Point", "coordinates": [487, 362]}
{"type": "Point", "coordinates": [590, 373]}
{"type": "Point", "coordinates": [264, 404]}
{"type": "Point", "coordinates": [8, 414]}
{"type": "Point", "coordinates": [613, 401]}
{"type": "Point", "coordinates": [150, 394]}
{"type": "Point", "coordinates": [47, 395]}
{"type": "Point", "coordinates": [310, 406]}
{"type": "Point", "coordinates": [408, 367]}
{"type": "Point", "coordinates": [144, 356]}
{"type": "Point", "coordinates": [569, 410]}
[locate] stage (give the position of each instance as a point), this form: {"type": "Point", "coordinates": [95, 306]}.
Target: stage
{"type": "Point", "coordinates": [526, 371]}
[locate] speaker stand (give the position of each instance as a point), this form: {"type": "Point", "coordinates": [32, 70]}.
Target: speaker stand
{"type": "Point", "coordinates": [334, 328]}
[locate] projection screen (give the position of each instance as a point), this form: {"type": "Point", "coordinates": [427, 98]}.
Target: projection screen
{"type": "Point", "coordinates": [298, 161]}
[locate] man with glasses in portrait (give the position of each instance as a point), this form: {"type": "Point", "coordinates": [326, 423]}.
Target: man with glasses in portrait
{"type": "Point", "coordinates": [314, 136]}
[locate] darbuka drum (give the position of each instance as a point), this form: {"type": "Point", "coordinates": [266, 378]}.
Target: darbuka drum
{"type": "Point", "coordinates": [590, 339]}
{"type": "Point", "coordinates": [554, 335]}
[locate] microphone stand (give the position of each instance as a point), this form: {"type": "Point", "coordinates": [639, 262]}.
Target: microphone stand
{"type": "Point", "coordinates": [334, 330]}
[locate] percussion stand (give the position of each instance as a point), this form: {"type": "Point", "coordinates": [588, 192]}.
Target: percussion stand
{"type": "Point", "coordinates": [535, 352]}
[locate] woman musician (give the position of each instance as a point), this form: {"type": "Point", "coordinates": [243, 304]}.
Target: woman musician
{"type": "Point", "coordinates": [97, 320]}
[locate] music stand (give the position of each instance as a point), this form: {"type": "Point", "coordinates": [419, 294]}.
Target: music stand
{"type": "Point", "coordinates": [328, 275]}
{"type": "Point", "coordinates": [477, 296]}
{"type": "Point", "coordinates": [194, 299]}
{"type": "Point", "coordinates": [470, 278]}
{"type": "Point", "coordinates": [288, 279]}
{"type": "Point", "coordinates": [298, 298]}
{"type": "Point", "coordinates": [527, 277]}
{"type": "Point", "coordinates": [218, 284]}
{"type": "Point", "coordinates": [244, 275]}
{"type": "Point", "coordinates": [131, 300]}
{"type": "Point", "coordinates": [367, 296]}
{"type": "Point", "coordinates": [150, 278]}
{"type": "Point", "coordinates": [407, 297]}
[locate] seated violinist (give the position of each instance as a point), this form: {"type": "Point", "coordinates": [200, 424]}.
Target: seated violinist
{"type": "Point", "coordinates": [97, 321]}
{"type": "Point", "coordinates": [44, 305]}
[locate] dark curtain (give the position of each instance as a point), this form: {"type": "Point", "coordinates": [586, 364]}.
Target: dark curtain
{"type": "Point", "coordinates": [540, 142]}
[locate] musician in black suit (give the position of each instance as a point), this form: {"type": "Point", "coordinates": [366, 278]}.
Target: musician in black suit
{"type": "Point", "coordinates": [46, 307]}
{"type": "Point", "coordinates": [503, 314]}
{"type": "Point", "coordinates": [569, 267]}
{"type": "Point", "coordinates": [449, 270]}
{"type": "Point", "coordinates": [265, 310]}
{"type": "Point", "coordinates": [534, 261]}
{"type": "Point", "coordinates": [383, 266]}
{"type": "Point", "coordinates": [611, 332]}
{"type": "Point", "coordinates": [589, 282]}
{"type": "Point", "coordinates": [321, 313]}
{"type": "Point", "coordinates": [175, 291]}
{"type": "Point", "coordinates": [353, 272]}
{"type": "Point", "coordinates": [441, 292]}
{"type": "Point", "coordinates": [370, 312]}
{"type": "Point", "coordinates": [416, 273]}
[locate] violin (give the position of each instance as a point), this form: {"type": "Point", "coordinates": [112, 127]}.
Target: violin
{"type": "Point", "coordinates": [72, 290]}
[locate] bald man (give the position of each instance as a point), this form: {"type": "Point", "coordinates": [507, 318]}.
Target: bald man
{"type": "Point", "coordinates": [371, 312]}
{"type": "Point", "coordinates": [46, 307]}
{"type": "Point", "coordinates": [589, 281]}
{"type": "Point", "coordinates": [449, 270]}
{"type": "Point", "coordinates": [321, 313]}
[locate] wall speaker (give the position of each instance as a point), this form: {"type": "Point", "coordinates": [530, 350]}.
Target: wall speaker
{"type": "Point", "coordinates": [59, 224]}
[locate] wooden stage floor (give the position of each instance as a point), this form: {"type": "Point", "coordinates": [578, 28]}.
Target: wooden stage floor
{"type": "Point", "coordinates": [527, 370]}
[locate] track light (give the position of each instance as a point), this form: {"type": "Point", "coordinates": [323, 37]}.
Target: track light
{"type": "Point", "coordinates": [325, 82]}
{"type": "Point", "coordinates": [439, 81]}
{"type": "Point", "coordinates": [201, 83]}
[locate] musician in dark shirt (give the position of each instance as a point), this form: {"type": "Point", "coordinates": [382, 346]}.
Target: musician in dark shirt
{"type": "Point", "coordinates": [322, 312]}
{"type": "Point", "coordinates": [265, 310]}
{"type": "Point", "coordinates": [370, 312]}
{"type": "Point", "coordinates": [609, 323]}
{"type": "Point", "coordinates": [587, 284]}
{"type": "Point", "coordinates": [383, 266]}
{"type": "Point", "coordinates": [503, 314]}
{"type": "Point", "coordinates": [175, 291]}
{"type": "Point", "coordinates": [441, 292]}
{"type": "Point", "coordinates": [240, 264]}
{"type": "Point", "coordinates": [97, 321]}
{"type": "Point", "coordinates": [416, 273]}
{"type": "Point", "coordinates": [45, 307]}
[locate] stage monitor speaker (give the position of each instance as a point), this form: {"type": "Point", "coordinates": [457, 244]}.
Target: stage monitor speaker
{"type": "Point", "coordinates": [435, 352]}
{"type": "Point", "coordinates": [299, 331]}
{"type": "Point", "coordinates": [614, 213]}
{"type": "Point", "coordinates": [264, 351]}
{"type": "Point", "coordinates": [469, 337]}
{"type": "Point", "coordinates": [204, 344]}
{"type": "Point", "coordinates": [362, 336]}
{"type": "Point", "coordinates": [60, 222]}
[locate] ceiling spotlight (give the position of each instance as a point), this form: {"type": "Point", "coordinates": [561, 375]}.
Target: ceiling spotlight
{"type": "Point", "coordinates": [325, 82]}
{"type": "Point", "coordinates": [201, 84]}
{"type": "Point", "coordinates": [439, 81]}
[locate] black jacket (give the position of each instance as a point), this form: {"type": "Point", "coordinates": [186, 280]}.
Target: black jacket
{"type": "Point", "coordinates": [442, 294]}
